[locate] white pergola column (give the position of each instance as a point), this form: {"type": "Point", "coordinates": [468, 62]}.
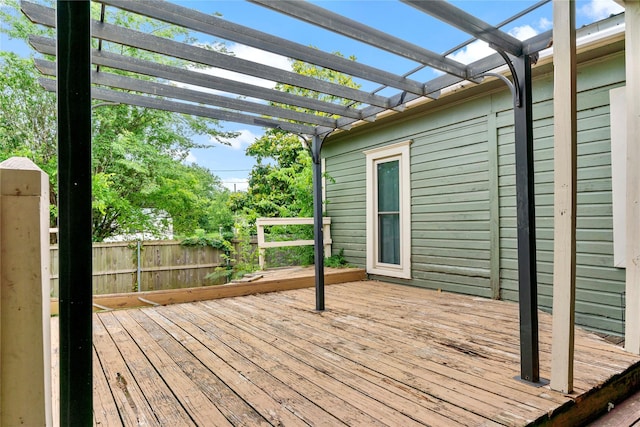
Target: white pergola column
{"type": "Point", "coordinates": [565, 173]}
{"type": "Point", "coordinates": [25, 344]}
{"type": "Point", "coordinates": [632, 57]}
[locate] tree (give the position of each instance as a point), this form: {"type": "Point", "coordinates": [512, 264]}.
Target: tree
{"type": "Point", "coordinates": [280, 184]}
{"type": "Point", "coordinates": [27, 127]}
{"type": "Point", "coordinates": [138, 155]}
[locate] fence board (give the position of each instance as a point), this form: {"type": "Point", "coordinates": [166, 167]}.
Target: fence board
{"type": "Point", "coordinates": [163, 265]}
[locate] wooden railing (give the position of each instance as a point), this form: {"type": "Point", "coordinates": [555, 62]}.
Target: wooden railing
{"type": "Point", "coordinates": [261, 223]}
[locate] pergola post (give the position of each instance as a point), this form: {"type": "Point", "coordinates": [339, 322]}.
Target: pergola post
{"type": "Point", "coordinates": [565, 178]}
{"type": "Point", "coordinates": [74, 181]}
{"type": "Point", "coordinates": [526, 221]}
{"type": "Point", "coordinates": [318, 237]}
{"type": "Point", "coordinates": [632, 47]}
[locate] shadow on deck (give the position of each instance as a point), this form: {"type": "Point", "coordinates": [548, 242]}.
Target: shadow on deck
{"type": "Point", "coordinates": [381, 354]}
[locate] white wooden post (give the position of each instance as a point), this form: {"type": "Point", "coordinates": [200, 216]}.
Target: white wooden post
{"type": "Point", "coordinates": [25, 344]}
{"type": "Point", "coordinates": [261, 251]}
{"type": "Point", "coordinates": [326, 234]}
{"type": "Point", "coordinates": [632, 58]}
{"type": "Point", "coordinates": [565, 167]}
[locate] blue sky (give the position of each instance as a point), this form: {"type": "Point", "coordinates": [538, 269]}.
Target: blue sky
{"type": "Point", "coordinates": [398, 19]}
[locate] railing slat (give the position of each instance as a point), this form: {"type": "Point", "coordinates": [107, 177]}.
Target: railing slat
{"type": "Point", "coordinates": [261, 223]}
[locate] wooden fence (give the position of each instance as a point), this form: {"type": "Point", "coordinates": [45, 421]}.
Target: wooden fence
{"type": "Point", "coordinates": [162, 265]}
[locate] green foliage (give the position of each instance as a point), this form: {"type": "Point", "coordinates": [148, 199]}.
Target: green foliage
{"type": "Point", "coordinates": [27, 124]}
{"type": "Point", "coordinates": [202, 239]}
{"type": "Point", "coordinates": [141, 177]}
{"type": "Point", "coordinates": [242, 257]}
{"type": "Point", "coordinates": [245, 257]}
{"type": "Point", "coordinates": [281, 184]}
{"type": "Point", "coordinates": [336, 260]}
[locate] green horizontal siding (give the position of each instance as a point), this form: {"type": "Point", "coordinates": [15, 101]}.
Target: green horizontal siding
{"type": "Point", "coordinates": [600, 286]}
{"type": "Point", "coordinates": [463, 196]}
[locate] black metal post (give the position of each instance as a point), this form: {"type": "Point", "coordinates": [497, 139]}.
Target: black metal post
{"type": "Point", "coordinates": [527, 274]}
{"type": "Point", "coordinates": [74, 184]}
{"type": "Point", "coordinates": [318, 237]}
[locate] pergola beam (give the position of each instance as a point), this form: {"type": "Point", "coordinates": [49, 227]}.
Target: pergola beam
{"type": "Point", "coordinates": [208, 24]}
{"type": "Point", "coordinates": [446, 12]}
{"type": "Point", "coordinates": [355, 30]}
{"type": "Point", "coordinates": [170, 91]}
{"type": "Point", "coordinates": [435, 86]}
{"type": "Point", "coordinates": [140, 66]}
{"type": "Point", "coordinates": [192, 109]}
{"type": "Point", "coordinates": [149, 42]}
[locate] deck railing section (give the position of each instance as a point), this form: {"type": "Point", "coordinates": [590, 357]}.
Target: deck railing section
{"type": "Point", "coordinates": [25, 342]}
{"type": "Point", "coordinates": [261, 223]}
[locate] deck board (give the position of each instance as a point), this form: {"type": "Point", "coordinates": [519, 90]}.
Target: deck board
{"type": "Point", "coordinates": [353, 343]}
{"type": "Point", "coordinates": [436, 358]}
{"type": "Point", "coordinates": [381, 354]}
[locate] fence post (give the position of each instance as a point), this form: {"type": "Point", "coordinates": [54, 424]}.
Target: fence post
{"type": "Point", "coordinates": [138, 266]}
{"type": "Point", "coordinates": [261, 251]}
{"type": "Point", "coordinates": [25, 343]}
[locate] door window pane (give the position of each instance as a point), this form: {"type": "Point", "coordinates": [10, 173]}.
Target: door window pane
{"type": "Point", "coordinates": [388, 186]}
{"type": "Point", "coordinates": [388, 177]}
{"type": "Point", "coordinates": [389, 238]}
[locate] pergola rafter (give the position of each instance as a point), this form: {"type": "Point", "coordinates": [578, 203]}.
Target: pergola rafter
{"type": "Point", "coordinates": [155, 88]}
{"type": "Point", "coordinates": [171, 91]}
{"type": "Point", "coordinates": [180, 75]}
{"type": "Point", "coordinates": [211, 25]}
{"type": "Point", "coordinates": [346, 116]}
{"type": "Point", "coordinates": [458, 18]}
{"type": "Point", "coordinates": [357, 31]}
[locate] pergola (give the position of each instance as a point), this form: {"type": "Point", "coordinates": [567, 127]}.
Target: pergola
{"type": "Point", "coordinates": [77, 84]}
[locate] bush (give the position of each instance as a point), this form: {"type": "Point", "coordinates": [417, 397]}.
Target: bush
{"type": "Point", "coordinates": [337, 260]}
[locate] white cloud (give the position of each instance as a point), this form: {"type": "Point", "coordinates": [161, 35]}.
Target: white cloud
{"type": "Point", "coordinates": [472, 52]}
{"type": "Point", "coordinates": [524, 32]}
{"type": "Point", "coordinates": [250, 54]}
{"type": "Point", "coordinates": [236, 184]}
{"type": "Point", "coordinates": [245, 138]}
{"type": "Point", "coordinates": [479, 49]}
{"type": "Point", "coordinates": [260, 56]}
{"type": "Point", "coordinates": [545, 24]}
{"type": "Point", "coordinates": [191, 158]}
{"type": "Point", "coordinates": [600, 9]}
{"type": "Point", "coordinates": [243, 52]}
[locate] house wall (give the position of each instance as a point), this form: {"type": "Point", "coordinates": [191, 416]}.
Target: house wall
{"type": "Point", "coordinates": [463, 193]}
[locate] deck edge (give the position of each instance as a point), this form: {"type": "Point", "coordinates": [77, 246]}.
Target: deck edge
{"type": "Point", "coordinates": [176, 296]}
{"type": "Point", "coordinates": [590, 405]}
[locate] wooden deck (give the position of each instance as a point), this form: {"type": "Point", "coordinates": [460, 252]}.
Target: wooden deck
{"type": "Point", "coordinates": [381, 354]}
